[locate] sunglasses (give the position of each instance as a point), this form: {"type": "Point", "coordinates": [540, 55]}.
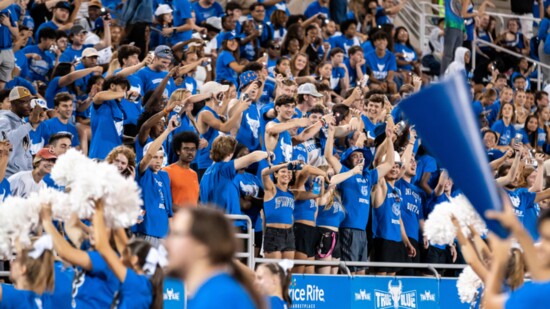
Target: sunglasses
{"type": "Point", "coordinates": [396, 194]}
{"type": "Point", "coordinates": [275, 47]}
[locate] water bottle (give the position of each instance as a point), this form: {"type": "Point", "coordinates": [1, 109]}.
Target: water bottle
{"type": "Point", "coordinates": [316, 187]}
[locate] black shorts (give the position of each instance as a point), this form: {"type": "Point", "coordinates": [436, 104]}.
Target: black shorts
{"type": "Point", "coordinates": [306, 239]}
{"type": "Point", "coordinates": [415, 259]}
{"type": "Point", "coordinates": [278, 240]}
{"type": "Point", "coordinates": [388, 251]}
{"type": "Point", "coordinates": [328, 243]}
{"type": "Point", "coordinates": [258, 238]}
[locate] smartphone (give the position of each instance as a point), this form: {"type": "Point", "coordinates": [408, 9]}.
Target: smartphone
{"type": "Point", "coordinates": [245, 97]}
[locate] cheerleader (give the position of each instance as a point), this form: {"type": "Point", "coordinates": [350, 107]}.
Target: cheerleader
{"type": "Point", "coordinates": [139, 271]}
{"type": "Point", "coordinates": [33, 277]}
{"type": "Point", "coordinates": [274, 282]}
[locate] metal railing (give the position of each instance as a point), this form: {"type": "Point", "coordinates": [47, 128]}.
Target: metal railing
{"type": "Point", "coordinates": [507, 51]}
{"type": "Point", "coordinates": [249, 237]}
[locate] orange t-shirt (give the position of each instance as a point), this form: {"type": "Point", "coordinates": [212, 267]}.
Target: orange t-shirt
{"type": "Point", "coordinates": [184, 184]}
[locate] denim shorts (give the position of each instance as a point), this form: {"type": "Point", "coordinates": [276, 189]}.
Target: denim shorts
{"type": "Point", "coordinates": [276, 239]}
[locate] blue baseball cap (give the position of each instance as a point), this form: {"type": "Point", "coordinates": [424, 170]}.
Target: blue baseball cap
{"type": "Point", "coordinates": [366, 154]}
{"type": "Point", "coordinates": [163, 51]}
{"type": "Point", "coordinates": [246, 78]}
{"type": "Point", "coordinates": [229, 36]}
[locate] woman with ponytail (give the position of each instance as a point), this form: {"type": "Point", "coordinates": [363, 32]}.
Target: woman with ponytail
{"type": "Point", "coordinates": [274, 281]}
{"type": "Point", "coordinates": [139, 270]}
{"type": "Point", "coordinates": [32, 274]}
{"type": "Point", "coordinates": [201, 245]}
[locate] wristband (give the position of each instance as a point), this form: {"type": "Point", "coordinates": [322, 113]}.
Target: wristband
{"type": "Point", "coordinates": [165, 112]}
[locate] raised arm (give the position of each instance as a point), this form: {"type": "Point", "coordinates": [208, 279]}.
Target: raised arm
{"type": "Point", "coordinates": [505, 180]}
{"type": "Point", "coordinates": [145, 129]}
{"type": "Point", "coordinates": [440, 188]}
{"type": "Point", "coordinates": [469, 252]}
{"type": "Point", "coordinates": [232, 122]}
{"type": "Point", "coordinates": [76, 75]}
{"type": "Point", "coordinates": [67, 252]}
{"type": "Point", "coordinates": [387, 165]}
{"type": "Point", "coordinates": [157, 94]}
{"type": "Point", "coordinates": [493, 298]}
{"type": "Point", "coordinates": [269, 187]}
{"type": "Point", "coordinates": [332, 160]}
{"type": "Point", "coordinates": [276, 128]}
{"type": "Point", "coordinates": [538, 184]}
{"type": "Point", "coordinates": [107, 95]}
{"type": "Point", "coordinates": [155, 146]}
{"type": "Point", "coordinates": [106, 42]}
{"type": "Point", "coordinates": [133, 69]}
{"type": "Point", "coordinates": [103, 246]}
{"type": "Point", "coordinates": [4, 157]}
{"type": "Point", "coordinates": [251, 158]}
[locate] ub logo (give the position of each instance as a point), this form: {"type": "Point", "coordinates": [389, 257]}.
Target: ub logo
{"type": "Point", "coordinates": [362, 295]}
{"type": "Point", "coordinates": [395, 297]}
{"type": "Point", "coordinates": [515, 201]}
{"type": "Point", "coordinates": [171, 295]}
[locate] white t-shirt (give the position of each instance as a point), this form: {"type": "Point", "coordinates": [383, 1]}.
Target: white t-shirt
{"type": "Point", "coordinates": [22, 184]}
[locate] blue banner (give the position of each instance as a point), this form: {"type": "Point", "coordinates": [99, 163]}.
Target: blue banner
{"type": "Point", "coordinates": [443, 117]}
{"type": "Point", "coordinates": [320, 292]}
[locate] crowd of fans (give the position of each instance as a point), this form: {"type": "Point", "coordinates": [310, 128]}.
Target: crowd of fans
{"type": "Point", "coordinates": [292, 120]}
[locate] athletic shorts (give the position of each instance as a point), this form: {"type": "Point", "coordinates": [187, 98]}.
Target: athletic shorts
{"type": "Point", "coordinates": [278, 240]}
{"type": "Point", "coordinates": [353, 243]}
{"type": "Point", "coordinates": [388, 251]}
{"type": "Point", "coordinates": [328, 243]}
{"type": "Point", "coordinates": [306, 238]}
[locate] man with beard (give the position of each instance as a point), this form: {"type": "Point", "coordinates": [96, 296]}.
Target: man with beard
{"type": "Point", "coordinates": [22, 184]}
{"type": "Point", "coordinates": [152, 75]}
{"type": "Point", "coordinates": [184, 182]}
{"type": "Point", "coordinates": [60, 20]}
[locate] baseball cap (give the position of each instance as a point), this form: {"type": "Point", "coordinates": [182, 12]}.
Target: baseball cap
{"type": "Point", "coordinates": [229, 36]}
{"type": "Point", "coordinates": [62, 5]}
{"type": "Point", "coordinates": [44, 154]}
{"type": "Point", "coordinates": [213, 87]}
{"type": "Point", "coordinates": [95, 3]}
{"type": "Point", "coordinates": [39, 102]}
{"type": "Point", "coordinates": [215, 22]}
{"type": "Point", "coordinates": [246, 78]}
{"type": "Point", "coordinates": [396, 157]}
{"type": "Point", "coordinates": [90, 52]}
{"type": "Point", "coordinates": [77, 29]}
{"type": "Point", "coordinates": [163, 51]}
{"type": "Point", "coordinates": [309, 88]}
{"type": "Point", "coordinates": [163, 9]}
{"type": "Point", "coordinates": [18, 93]}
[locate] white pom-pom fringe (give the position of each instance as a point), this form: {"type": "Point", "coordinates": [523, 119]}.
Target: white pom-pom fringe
{"type": "Point", "coordinates": [468, 285]}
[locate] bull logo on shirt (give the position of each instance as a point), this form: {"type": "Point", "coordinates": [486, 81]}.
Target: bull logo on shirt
{"type": "Point", "coordinates": [286, 150]}
{"type": "Point", "coordinates": [515, 201]}
{"type": "Point", "coordinates": [254, 125]}
{"type": "Point", "coordinates": [249, 190]}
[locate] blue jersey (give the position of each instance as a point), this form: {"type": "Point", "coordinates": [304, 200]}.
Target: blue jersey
{"type": "Point", "coordinates": [305, 210]}
{"type": "Point", "coordinates": [107, 126]}
{"type": "Point", "coordinates": [135, 292]}
{"type": "Point", "coordinates": [223, 71]}
{"type": "Point", "coordinates": [380, 67]}
{"type": "Point", "coordinates": [53, 126]}
{"type": "Point", "coordinates": [95, 288]}
{"type": "Point", "coordinates": [530, 295]}
{"type": "Point", "coordinates": [315, 8]}
{"type": "Point", "coordinates": [221, 289]}
{"type": "Point", "coordinates": [13, 298]}
{"type": "Point", "coordinates": [248, 134]}
{"type": "Point", "coordinates": [150, 80]}
{"type": "Point", "coordinates": [506, 133]}
{"type": "Point", "coordinates": [53, 89]}
{"type": "Point", "coordinates": [71, 55]}
{"type": "Point", "coordinates": [203, 155]}
{"type": "Point", "coordinates": [332, 217]}
{"type": "Point", "coordinates": [385, 219]}
{"type": "Point", "coordinates": [283, 149]}
{"type": "Point", "coordinates": [407, 53]}
{"type": "Point", "coordinates": [356, 192]}
{"type": "Point", "coordinates": [411, 207]}
{"type": "Point", "coordinates": [202, 14]}
{"type": "Point", "coordinates": [39, 69]}
{"type": "Point", "coordinates": [157, 202]}
{"type": "Point", "coordinates": [279, 209]}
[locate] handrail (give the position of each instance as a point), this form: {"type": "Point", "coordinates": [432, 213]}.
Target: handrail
{"type": "Point", "coordinates": [249, 236]}
{"type": "Point", "coordinates": [476, 41]}
{"type": "Point", "coordinates": [346, 264]}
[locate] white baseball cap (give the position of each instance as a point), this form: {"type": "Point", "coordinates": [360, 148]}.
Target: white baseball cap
{"type": "Point", "coordinates": [163, 9]}
{"type": "Point", "coordinates": [396, 156]}
{"type": "Point", "coordinates": [213, 87]}
{"type": "Point", "coordinates": [90, 52]}
{"type": "Point", "coordinates": [309, 88]}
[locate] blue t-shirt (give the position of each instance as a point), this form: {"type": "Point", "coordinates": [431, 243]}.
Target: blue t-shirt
{"type": "Point", "coordinates": [39, 69]}
{"type": "Point", "coordinates": [506, 133]}
{"type": "Point", "coordinates": [6, 41]}
{"type": "Point", "coordinates": [182, 12]}
{"type": "Point", "coordinates": [408, 53]}
{"type": "Point", "coordinates": [17, 299]}
{"type": "Point", "coordinates": [70, 54]}
{"type": "Point", "coordinates": [150, 80]}
{"type": "Point", "coordinates": [107, 126]}
{"type": "Point", "coordinates": [381, 17]}
{"type": "Point", "coordinates": [5, 189]}
{"type": "Point", "coordinates": [53, 126]}
{"type": "Point", "coordinates": [221, 289]}
{"type": "Point", "coordinates": [18, 81]}
{"type": "Point", "coordinates": [385, 219]}
{"type": "Point", "coordinates": [411, 207]}
{"type": "Point", "coordinates": [380, 67]}
{"type": "Point", "coordinates": [530, 220]}
{"type": "Point", "coordinates": [223, 71]}
{"type": "Point", "coordinates": [343, 42]}
{"type": "Point", "coordinates": [336, 76]}
{"type": "Point", "coordinates": [249, 186]}
{"type": "Point", "coordinates": [352, 72]}
{"type": "Point", "coordinates": [157, 202]}
{"type": "Point", "coordinates": [248, 133]}
{"type": "Point", "coordinates": [48, 24]}
{"type": "Point", "coordinates": [315, 8]}
{"type": "Point", "coordinates": [62, 292]}
{"type": "Point", "coordinates": [530, 295]}
{"type": "Point", "coordinates": [426, 164]}
{"type": "Point", "coordinates": [521, 200]}
{"type": "Point", "coordinates": [135, 292]}
{"type": "Point", "coordinates": [276, 302]}
{"type": "Point", "coordinates": [95, 288]}
{"type": "Point", "coordinates": [53, 89]}
{"type": "Point", "coordinates": [356, 192]}
{"type": "Point", "coordinates": [203, 155]}
{"type": "Point", "coordinates": [202, 14]}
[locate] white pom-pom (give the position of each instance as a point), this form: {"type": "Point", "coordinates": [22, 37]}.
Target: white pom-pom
{"type": "Point", "coordinates": [60, 202]}
{"type": "Point", "coordinates": [439, 228]}
{"type": "Point", "coordinates": [88, 180]}
{"type": "Point", "coordinates": [19, 219]}
{"type": "Point", "coordinates": [468, 285]}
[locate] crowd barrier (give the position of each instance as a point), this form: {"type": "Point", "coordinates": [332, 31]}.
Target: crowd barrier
{"type": "Point", "coordinates": [361, 292]}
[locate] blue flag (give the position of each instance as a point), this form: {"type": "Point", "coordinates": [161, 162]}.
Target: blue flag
{"type": "Point", "coordinates": [444, 119]}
